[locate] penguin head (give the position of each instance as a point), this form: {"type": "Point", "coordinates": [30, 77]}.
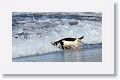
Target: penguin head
{"type": "Point", "coordinates": [54, 43]}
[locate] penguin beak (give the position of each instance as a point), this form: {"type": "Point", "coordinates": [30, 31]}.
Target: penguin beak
{"type": "Point", "coordinates": [52, 43]}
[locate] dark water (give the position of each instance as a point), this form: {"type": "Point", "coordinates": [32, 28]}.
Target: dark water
{"type": "Point", "coordinates": [91, 55]}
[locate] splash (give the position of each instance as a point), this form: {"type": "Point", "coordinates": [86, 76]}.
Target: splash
{"type": "Point", "coordinates": [34, 32]}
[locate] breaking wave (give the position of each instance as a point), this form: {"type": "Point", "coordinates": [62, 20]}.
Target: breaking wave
{"type": "Point", "coordinates": [32, 33]}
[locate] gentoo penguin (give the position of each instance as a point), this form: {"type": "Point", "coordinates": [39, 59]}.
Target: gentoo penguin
{"type": "Point", "coordinates": [68, 43]}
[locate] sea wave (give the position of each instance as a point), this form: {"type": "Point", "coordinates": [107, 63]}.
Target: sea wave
{"type": "Point", "coordinates": [32, 33]}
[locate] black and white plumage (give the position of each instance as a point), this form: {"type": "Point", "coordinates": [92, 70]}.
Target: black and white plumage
{"type": "Point", "coordinates": [68, 43]}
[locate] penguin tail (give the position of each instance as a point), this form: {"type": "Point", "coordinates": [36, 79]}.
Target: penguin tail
{"type": "Point", "coordinates": [81, 37]}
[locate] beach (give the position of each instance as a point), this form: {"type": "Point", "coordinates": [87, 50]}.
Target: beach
{"type": "Point", "coordinates": [33, 33]}
{"type": "Point", "coordinates": [91, 55]}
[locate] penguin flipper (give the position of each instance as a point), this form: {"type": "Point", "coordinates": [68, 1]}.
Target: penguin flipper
{"type": "Point", "coordinates": [62, 45]}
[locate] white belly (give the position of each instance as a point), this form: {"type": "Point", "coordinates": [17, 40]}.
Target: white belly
{"type": "Point", "coordinates": [71, 44]}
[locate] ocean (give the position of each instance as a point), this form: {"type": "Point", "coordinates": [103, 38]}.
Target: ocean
{"type": "Point", "coordinates": [33, 32]}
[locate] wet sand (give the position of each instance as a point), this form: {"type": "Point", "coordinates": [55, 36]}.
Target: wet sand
{"type": "Point", "coordinates": [90, 55]}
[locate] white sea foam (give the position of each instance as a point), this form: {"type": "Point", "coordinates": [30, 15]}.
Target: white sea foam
{"type": "Point", "coordinates": [35, 37]}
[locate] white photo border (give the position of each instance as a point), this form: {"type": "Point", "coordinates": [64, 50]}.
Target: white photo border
{"type": "Point", "coordinates": [104, 67]}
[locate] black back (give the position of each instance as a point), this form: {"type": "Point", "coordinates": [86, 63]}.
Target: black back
{"type": "Point", "coordinates": [69, 39]}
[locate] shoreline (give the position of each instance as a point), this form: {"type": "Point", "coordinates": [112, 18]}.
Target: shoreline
{"type": "Point", "coordinates": [90, 55]}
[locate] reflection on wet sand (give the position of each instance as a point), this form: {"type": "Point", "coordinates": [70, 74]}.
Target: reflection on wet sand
{"type": "Point", "coordinates": [91, 55]}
